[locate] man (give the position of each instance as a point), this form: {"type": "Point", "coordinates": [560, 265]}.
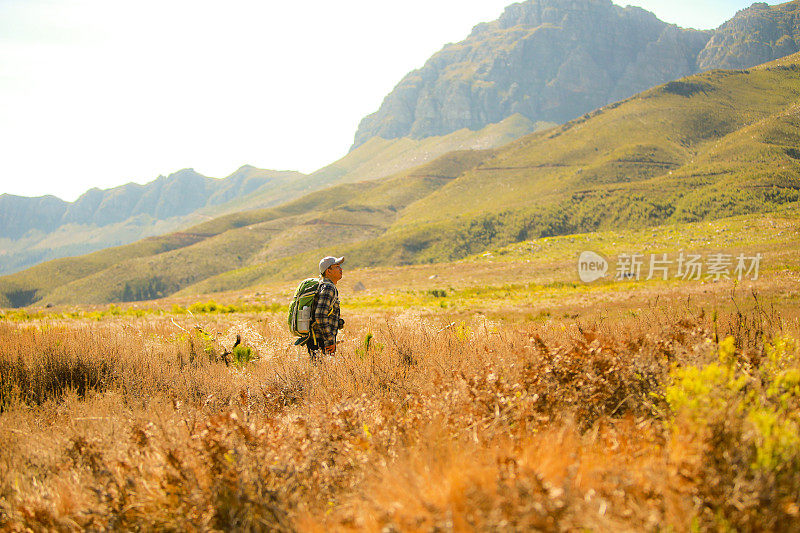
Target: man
{"type": "Point", "coordinates": [326, 322]}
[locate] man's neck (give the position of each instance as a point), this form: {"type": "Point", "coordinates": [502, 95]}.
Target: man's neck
{"type": "Point", "coordinates": [329, 279]}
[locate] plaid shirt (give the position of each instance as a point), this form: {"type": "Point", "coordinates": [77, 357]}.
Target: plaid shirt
{"type": "Point", "coordinates": [326, 313]}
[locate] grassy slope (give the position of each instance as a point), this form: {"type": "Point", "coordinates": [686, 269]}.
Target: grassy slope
{"type": "Point", "coordinates": [34, 283]}
{"type": "Point", "coordinates": [545, 267]}
{"type": "Point", "coordinates": [659, 142]}
{"type": "Point", "coordinates": [539, 277]}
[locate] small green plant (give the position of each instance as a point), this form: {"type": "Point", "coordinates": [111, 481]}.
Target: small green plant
{"type": "Point", "coordinates": [366, 345]}
{"type": "Point", "coordinates": [203, 342]}
{"type": "Point", "coordinates": [367, 341]}
{"type": "Point", "coordinates": [463, 332]}
{"type": "Point", "coordinates": [241, 355]}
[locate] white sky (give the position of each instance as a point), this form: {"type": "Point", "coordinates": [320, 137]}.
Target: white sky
{"type": "Point", "coordinates": [97, 93]}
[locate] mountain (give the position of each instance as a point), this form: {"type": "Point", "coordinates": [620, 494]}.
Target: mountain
{"type": "Point", "coordinates": [555, 60]}
{"type": "Point", "coordinates": [708, 146]}
{"type": "Point", "coordinates": [37, 229]}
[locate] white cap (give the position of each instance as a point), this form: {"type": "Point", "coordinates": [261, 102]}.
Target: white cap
{"type": "Point", "coordinates": [328, 262]}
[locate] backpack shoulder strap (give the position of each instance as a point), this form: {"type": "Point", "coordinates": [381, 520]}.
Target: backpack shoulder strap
{"type": "Point", "coordinates": [323, 281]}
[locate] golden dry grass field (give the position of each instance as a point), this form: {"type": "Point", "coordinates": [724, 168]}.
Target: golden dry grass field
{"type": "Point", "coordinates": [498, 393]}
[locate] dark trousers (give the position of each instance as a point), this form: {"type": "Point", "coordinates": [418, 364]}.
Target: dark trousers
{"type": "Point", "coordinates": [314, 351]}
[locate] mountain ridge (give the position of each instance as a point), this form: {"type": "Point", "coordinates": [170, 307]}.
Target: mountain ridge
{"type": "Point", "coordinates": [115, 204]}
{"type": "Point", "coordinates": [106, 217]}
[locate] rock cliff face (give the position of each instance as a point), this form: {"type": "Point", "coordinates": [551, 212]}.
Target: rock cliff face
{"type": "Point", "coordinates": [755, 35]}
{"type": "Point", "coordinates": [554, 60]}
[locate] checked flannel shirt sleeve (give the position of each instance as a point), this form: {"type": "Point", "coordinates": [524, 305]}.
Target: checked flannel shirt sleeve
{"type": "Point", "coordinates": [326, 314]}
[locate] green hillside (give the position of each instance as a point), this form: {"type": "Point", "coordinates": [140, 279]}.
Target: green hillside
{"type": "Point", "coordinates": [686, 145]}
{"type": "Point", "coordinates": [715, 145]}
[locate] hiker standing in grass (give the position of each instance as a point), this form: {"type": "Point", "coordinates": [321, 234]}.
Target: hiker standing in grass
{"type": "Point", "coordinates": [326, 322]}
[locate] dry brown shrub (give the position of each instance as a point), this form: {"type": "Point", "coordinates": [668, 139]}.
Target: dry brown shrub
{"type": "Point", "coordinates": [435, 422]}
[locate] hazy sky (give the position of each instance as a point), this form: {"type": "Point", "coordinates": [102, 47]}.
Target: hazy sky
{"type": "Point", "coordinates": [97, 93]}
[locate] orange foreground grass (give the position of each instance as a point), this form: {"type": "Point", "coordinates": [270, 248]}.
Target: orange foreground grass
{"type": "Point", "coordinates": [420, 423]}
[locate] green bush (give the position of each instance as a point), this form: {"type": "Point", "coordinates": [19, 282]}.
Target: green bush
{"type": "Point", "coordinates": [211, 307]}
{"type": "Point", "coordinates": [242, 355]}
{"type": "Point", "coordinates": [746, 416]}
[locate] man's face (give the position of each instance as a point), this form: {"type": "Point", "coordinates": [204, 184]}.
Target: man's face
{"type": "Point", "coordinates": [334, 272]}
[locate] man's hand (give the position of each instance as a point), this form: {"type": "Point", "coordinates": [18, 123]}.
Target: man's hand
{"type": "Point", "coordinates": [341, 323]}
{"type": "Point", "coordinates": [330, 350]}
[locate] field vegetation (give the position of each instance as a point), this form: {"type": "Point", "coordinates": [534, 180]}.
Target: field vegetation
{"type": "Point", "coordinates": [471, 395]}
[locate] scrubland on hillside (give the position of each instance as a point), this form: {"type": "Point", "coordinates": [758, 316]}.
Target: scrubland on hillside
{"type": "Point", "coordinates": [661, 410]}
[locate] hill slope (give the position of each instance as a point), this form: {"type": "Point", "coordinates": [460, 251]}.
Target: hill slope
{"type": "Point", "coordinates": [710, 146]}
{"type": "Point", "coordinates": [380, 158]}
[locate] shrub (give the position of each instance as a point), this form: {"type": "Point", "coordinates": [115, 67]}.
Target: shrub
{"type": "Point", "coordinates": [41, 367]}
{"type": "Point", "coordinates": [242, 355]}
{"type": "Point", "coordinates": [746, 420]}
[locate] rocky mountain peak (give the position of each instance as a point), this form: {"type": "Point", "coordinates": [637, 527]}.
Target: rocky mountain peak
{"type": "Point", "coordinates": [548, 60]}
{"type": "Point", "coordinates": [555, 60]}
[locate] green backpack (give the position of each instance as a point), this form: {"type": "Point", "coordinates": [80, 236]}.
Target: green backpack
{"type": "Point", "coordinates": [301, 309]}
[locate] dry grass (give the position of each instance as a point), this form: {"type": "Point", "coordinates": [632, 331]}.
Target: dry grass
{"type": "Point", "coordinates": [435, 423]}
